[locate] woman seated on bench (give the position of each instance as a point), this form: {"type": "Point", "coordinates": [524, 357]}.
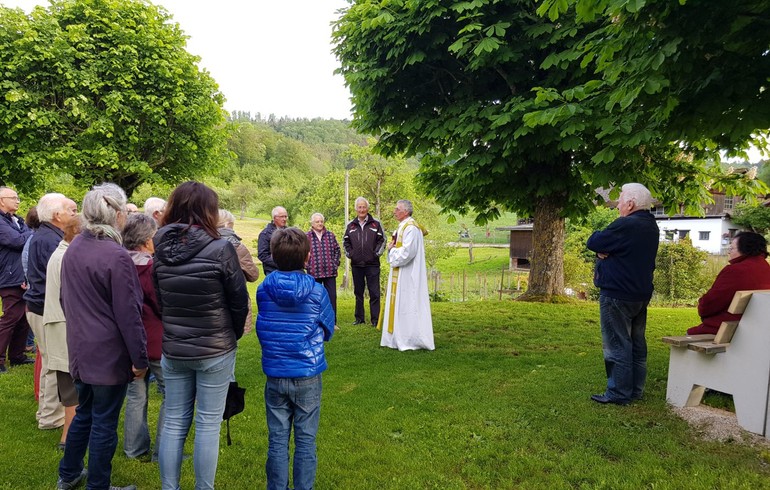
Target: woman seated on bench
{"type": "Point", "coordinates": [748, 270]}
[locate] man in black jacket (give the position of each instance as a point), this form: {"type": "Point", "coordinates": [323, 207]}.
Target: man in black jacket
{"type": "Point", "coordinates": [280, 218]}
{"type": "Point", "coordinates": [364, 242]}
{"type": "Point", "coordinates": [626, 252]}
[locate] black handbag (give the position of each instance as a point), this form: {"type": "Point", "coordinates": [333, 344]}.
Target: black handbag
{"type": "Point", "coordinates": [234, 404]}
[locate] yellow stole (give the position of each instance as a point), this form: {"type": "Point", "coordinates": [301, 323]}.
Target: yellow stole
{"type": "Point", "coordinates": [394, 279]}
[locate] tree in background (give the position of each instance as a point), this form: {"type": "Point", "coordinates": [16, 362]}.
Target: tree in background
{"type": "Point", "coordinates": [755, 217]}
{"type": "Point", "coordinates": [104, 90]}
{"type": "Point", "coordinates": [506, 114]}
{"type": "Point", "coordinates": [680, 273]}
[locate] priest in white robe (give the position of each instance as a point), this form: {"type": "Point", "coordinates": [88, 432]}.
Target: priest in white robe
{"type": "Point", "coordinates": [405, 319]}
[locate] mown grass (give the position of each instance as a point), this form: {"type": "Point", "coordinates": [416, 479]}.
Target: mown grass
{"type": "Point", "coordinates": [503, 402]}
{"type": "Point", "coordinates": [485, 259]}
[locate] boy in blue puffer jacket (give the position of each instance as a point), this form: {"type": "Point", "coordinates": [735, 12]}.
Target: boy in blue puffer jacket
{"type": "Point", "coordinates": [295, 317]}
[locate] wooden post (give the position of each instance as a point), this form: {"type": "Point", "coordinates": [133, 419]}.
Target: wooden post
{"type": "Point", "coordinates": [502, 281]}
{"type": "Point", "coordinates": [345, 276]}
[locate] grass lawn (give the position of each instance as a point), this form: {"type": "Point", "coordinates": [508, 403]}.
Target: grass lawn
{"type": "Point", "coordinates": [485, 259]}
{"type": "Point", "coordinates": [502, 403]}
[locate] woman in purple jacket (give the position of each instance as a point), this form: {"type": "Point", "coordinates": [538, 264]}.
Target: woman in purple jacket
{"type": "Point", "coordinates": [102, 301]}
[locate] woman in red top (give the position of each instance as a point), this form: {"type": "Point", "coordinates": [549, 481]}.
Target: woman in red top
{"type": "Point", "coordinates": [748, 270]}
{"type": "Point", "coordinates": [137, 238]}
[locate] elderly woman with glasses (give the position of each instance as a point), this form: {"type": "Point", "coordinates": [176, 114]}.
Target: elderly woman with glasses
{"type": "Point", "coordinates": [747, 270]}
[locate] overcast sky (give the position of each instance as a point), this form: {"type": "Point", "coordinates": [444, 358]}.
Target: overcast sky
{"type": "Point", "coordinates": [268, 56]}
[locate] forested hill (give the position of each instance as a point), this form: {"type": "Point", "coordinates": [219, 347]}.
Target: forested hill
{"type": "Point", "coordinates": [300, 164]}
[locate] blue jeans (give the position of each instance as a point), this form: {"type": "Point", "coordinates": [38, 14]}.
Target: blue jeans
{"type": "Point", "coordinates": [94, 428]}
{"type": "Point", "coordinates": [625, 347]}
{"type": "Point", "coordinates": [292, 402]}
{"type": "Point", "coordinates": [136, 434]}
{"type": "Point", "coordinates": [198, 386]}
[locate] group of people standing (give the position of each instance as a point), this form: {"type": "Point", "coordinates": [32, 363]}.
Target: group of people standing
{"type": "Point", "coordinates": [364, 242]}
{"type": "Point", "coordinates": [116, 296]}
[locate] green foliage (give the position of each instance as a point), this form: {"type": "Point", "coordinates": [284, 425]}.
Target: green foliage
{"type": "Point", "coordinates": [694, 72]}
{"type": "Point", "coordinates": [509, 111]}
{"type": "Point", "coordinates": [680, 272]}
{"type": "Point", "coordinates": [578, 273]}
{"type": "Point", "coordinates": [103, 90]}
{"type": "Point", "coordinates": [578, 260]}
{"type": "Point", "coordinates": [755, 217]}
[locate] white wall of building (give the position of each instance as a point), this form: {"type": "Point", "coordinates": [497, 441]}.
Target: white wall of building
{"type": "Point", "coordinates": [709, 234]}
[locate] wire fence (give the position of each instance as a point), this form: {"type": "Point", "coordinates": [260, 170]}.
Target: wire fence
{"type": "Point", "coordinates": [465, 286]}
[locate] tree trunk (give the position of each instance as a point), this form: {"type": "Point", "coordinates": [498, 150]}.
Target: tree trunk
{"type": "Point", "coordinates": [546, 276]}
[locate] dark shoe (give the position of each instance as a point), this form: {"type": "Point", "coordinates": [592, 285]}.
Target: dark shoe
{"type": "Point", "coordinates": [26, 360]}
{"type": "Point", "coordinates": [604, 400]}
{"type": "Point", "coordinates": [358, 323]}
{"type": "Point", "coordinates": [69, 485]}
{"type": "Point", "coordinates": [3, 369]}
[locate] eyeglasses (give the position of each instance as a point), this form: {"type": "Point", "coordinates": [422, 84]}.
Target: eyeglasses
{"type": "Point", "coordinates": [16, 198]}
{"type": "Point", "coordinates": [281, 215]}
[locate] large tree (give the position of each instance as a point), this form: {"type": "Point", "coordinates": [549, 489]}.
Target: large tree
{"type": "Point", "coordinates": [103, 90]}
{"type": "Point", "coordinates": [493, 97]}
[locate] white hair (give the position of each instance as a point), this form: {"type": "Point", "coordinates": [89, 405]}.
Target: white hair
{"type": "Point", "coordinates": [638, 194]}
{"type": "Point", "coordinates": [225, 218]}
{"type": "Point", "coordinates": [50, 204]}
{"type": "Point", "coordinates": [312, 216]}
{"type": "Point", "coordinates": [407, 204]}
{"type": "Point", "coordinates": [100, 210]}
{"type": "Point", "coordinates": [277, 210]}
{"type": "Point", "coordinates": [153, 204]}
{"type": "Point", "coordinates": [363, 200]}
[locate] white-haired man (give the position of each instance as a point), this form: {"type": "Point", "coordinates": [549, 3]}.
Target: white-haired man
{"type": "Point", "coordinates": [154, 208]}
{"type": "Point", "coordinates": [406, 320]}
{"type": "Point", "coordinates": [280, 218]}
{"type": "Point", "coordinates": [626, 252]}
{"type": "Point", "coordinates": [54, 211]}
{"type": "Point", "coordinates": [364, 242]}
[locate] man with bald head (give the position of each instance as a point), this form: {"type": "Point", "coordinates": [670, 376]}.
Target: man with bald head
{"type": "Point", "coordinates": [280, 218]}
{"type": "Point", "coordinates": [54, 212]}
{"type": "Point", "coordinates": [13, 324]}
{"type": "Point", "coordinates": [626, 252]}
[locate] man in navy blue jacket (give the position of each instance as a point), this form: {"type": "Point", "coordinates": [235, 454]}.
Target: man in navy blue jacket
{"type": "Point", "coordinates": [13, 324]}
{"type": "Point", "coordinates": [626, 252]}
{"type": "Point", "coordinates": [54, 211]}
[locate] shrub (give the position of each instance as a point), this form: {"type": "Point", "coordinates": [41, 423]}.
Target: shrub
{"type": "Point", "coordinates": [680, 272]}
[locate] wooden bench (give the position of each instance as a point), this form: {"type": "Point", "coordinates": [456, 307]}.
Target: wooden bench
{"type": "Point", "coordinates": [735, 361]}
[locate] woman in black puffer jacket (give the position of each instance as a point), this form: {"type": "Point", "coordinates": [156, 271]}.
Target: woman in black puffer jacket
{"type": "Point", "coordinates": [204, 302]}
